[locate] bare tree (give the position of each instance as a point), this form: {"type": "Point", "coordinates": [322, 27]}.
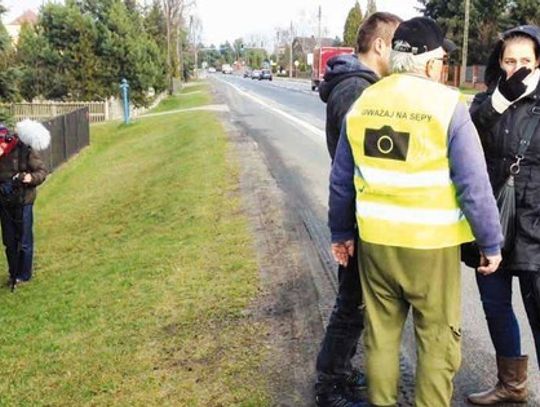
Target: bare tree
{"type": "Point", "coordinates": [175, 11]}
{"type": "Point", "coordinates": [195, 35]}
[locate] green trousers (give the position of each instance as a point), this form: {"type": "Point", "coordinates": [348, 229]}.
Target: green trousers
{"type": "Point", "coordinates": [395, 279]}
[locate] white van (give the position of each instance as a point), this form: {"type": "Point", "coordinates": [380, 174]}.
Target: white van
{"type": "Point", "coordinates": [226, 69]}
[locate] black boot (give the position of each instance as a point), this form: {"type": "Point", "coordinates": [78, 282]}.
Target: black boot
{"type": "Point", "coordinates": [336, 396]}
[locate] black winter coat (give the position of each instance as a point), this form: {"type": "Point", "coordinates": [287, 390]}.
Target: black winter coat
{"type": "Point", "coordinates": [500, 134]}
{"type": "Point", "coordinates": [31, 163]}
{"type": "Point", "coordinates": [344, 81]}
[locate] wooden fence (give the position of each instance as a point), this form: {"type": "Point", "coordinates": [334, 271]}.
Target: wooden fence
{"type": "Point", "coordinates": [70, 133]}
{"type": "Point", "coordinates": [97, 111]}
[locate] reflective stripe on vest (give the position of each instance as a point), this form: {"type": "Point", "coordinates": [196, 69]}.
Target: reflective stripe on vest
{"type": "Point", "coordinates": [398, 135]}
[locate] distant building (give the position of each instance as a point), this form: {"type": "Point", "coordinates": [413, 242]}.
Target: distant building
{"type": "Point", "coordinates": [305, 45]}
{"type": "Point", "coordinates": [14, 28]}
{"type": "Point", "coordinates": [302, 46]}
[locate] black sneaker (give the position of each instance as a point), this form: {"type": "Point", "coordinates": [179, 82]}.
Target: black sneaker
{"type": "Point", "coordinates": [337, 397]}
{"type": "Point", "coordinates": [357, 385]}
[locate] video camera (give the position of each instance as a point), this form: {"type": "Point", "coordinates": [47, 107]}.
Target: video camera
{"type": "Point", "coordinates": [11, 190]}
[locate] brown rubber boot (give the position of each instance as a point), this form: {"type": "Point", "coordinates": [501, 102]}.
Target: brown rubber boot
{"type": "Point", "coordinates": [512, 384]}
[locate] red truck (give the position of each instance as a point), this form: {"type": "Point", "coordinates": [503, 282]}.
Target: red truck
{"type": "Point", "coordinates": [320, 58]}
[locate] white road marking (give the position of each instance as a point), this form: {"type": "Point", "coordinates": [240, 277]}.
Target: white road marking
{"type": "Point", "coordinates": [320, 135]}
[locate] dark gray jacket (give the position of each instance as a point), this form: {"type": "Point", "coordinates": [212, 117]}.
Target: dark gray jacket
{"type": "Point", "coordinates": [31, 163]}
{"type": "Point", "coordinates": [344, 81]}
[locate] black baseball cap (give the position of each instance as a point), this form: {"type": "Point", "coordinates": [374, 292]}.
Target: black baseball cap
{"type": "Point", "coordinates": [419, 35]}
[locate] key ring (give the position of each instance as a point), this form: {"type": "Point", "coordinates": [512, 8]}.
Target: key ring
{"type": "Point", "coordinates": [515, 168]}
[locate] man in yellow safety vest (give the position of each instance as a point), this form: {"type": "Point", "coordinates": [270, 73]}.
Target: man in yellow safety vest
{"type": "Point", "coordinates": [410, 161]}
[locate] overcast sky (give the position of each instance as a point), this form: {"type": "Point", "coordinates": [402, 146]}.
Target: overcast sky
{"type": "Point", "coordinates": [230, 19]}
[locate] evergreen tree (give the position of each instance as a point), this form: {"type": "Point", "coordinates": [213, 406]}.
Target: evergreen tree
{"type": "Point", "coordinates": [487, 19]}
{"type": "Point", "coordinates": [8, 72]}
{"type": "Point", "coordinates": [524, 12]}
{"type": "Point", "coordinates": [156, 25]}
{"type": "Point", "coordinates": [35, 59]}
{"type": "Point", "coordinates": [82, 50]}
{"type": "Point", "coordinates": [238, 46]}
{"type": "Point", "coordinates": [131, 5]}
{"type": "Point", "coordinates": [371, 8]}
{"type": "Point", "coordinates": [211, 55]}
{"type": "Point", "coordinates": [350, 31]}
{"type": "Point", "coordinates": [227, 52]}
{"type": "Point", "coordinates": [256, 56]}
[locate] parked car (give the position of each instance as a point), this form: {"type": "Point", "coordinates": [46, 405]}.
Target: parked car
{"type": "Point", "coordinates": [247, 73]}
{"type": "Point", "coordinates": [266, 74]}
{"type": "Point", "coordinates": [256, 74]}
{"type": "Point", "coordinates": [211, 70]}
{"type": "Point", "coordinates": [226, 69]}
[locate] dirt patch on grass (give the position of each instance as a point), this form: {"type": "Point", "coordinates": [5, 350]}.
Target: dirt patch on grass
{"type": "Point", "coordinates": [288, 301]}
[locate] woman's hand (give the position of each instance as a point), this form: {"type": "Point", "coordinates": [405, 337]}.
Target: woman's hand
{"type": "Point", "coordinates": [513, 87]}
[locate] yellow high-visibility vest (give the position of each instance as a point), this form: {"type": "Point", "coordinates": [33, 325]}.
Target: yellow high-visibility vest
{"type": "Point", "coordinates": [398, 132]}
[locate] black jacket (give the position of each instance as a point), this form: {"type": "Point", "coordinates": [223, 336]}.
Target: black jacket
{"type": "Point", "coordinates": [500, 135]}
{"type": "Point", "coordinates": [31, 163]}
{"type": "Point", "coordinates": [344, 81]}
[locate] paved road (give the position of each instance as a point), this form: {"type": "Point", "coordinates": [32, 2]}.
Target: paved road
{"type": "Point", "coordinates": [287, 120]}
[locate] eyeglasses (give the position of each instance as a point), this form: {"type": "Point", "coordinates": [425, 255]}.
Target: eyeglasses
{"type": "Point", "coordinates": [443, 59]}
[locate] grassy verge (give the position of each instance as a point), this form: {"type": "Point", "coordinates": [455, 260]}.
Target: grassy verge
{"type": "Point", "coordinates": [144, 272]}
{"type": "Point", "coordinates": [190, 97]}
{"type": "Point", "coordinates": [469, 91]}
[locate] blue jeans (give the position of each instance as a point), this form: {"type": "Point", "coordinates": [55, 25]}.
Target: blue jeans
{"type": "Point", "coordinates": [344, 328]}
{"type": "Point", "coordinates": [496, 294]}
{"type": "Point", "coordinates": [18, 239]}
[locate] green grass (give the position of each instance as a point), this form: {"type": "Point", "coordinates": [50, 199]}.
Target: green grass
{"type": "Point", "coordinates": [469, 91]}
{"type": "Point", "coordinates": [182, 102]}
{"type": "Point", "coordinates": [144, 270]}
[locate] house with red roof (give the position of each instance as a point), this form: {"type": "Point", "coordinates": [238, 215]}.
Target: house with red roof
{"type": "Point", "coordinates": [14, 28]}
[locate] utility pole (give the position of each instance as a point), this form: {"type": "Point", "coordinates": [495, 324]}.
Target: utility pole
{"type": "Point", "coordinates": [465, 49]}
{"type": "Point", "coordinates": [319, 32]}
{"type": "Point", "coordinates": [291, 53]}
{"type": "Point", "coordinates": [193, 35]}
{"type": "Point", "coordinates": [179, 53]}
{"type": "Point", "coordinates": [169, 57]}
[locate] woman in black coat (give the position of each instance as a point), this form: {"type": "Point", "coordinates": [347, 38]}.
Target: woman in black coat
{"type": "Point", "coordinates": [501, 115]}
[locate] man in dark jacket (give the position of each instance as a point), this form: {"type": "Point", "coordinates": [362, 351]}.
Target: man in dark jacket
{"type": "Point", "coordinates": [346, 77]}
{"type": "Point", "coordinates": [21, 170]}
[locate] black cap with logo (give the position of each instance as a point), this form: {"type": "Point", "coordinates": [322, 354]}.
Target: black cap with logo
{"type": "Point", "coordinates": [419, 35]}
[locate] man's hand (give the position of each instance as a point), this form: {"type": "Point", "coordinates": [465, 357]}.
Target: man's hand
{"type": "Point", "coordinates": [342, 250]}
{"type": "Point", "coordinates": [489, 264]}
